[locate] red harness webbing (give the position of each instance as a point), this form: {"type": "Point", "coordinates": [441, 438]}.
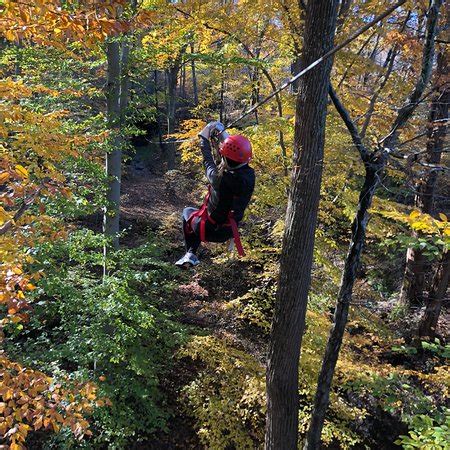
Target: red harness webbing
{"type": "Point", "coordinates": [202, 213]}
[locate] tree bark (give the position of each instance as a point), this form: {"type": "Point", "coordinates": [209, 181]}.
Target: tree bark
{"type": "Point", "coordinates": [298, 241]}
{"type": "Point", "coordinates": [414, 279]}
{"type": "Point", "coordinates": [222, 95]}
{"type": "Point", "coordinates": [111, 220]}
{"type": "Point", "coordinates": [158, 112]}
{"type": "Point", "coordinates": [194, 78]}
{"type": "Point", "coordinates": [436, 296]}
{"type": "Point", "coordinates": [172, 80]}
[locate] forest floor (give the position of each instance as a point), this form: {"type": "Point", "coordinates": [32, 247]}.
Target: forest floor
{"type": "Point", "coordinates": [152, 202]}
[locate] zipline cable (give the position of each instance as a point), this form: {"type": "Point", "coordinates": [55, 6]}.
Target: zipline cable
{"type": "Point", "coordinates": [318, 61]}
{"type": "Point", "coordinates": [334, 50]}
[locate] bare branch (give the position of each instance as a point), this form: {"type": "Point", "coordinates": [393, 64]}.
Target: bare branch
{"type": "Point", "coordinates": [383, 79]}
{"type": "Point", "coordinates": [427, 64]}
{"type": "Point", "coordinates": [363, 46]}
{"type": "Point", "coordinates": [20, 212]}
{"type": "Point", "coordinates": [353, 130]}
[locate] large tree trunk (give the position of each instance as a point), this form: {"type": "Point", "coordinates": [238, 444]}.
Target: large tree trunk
{"type": "Point", "coordinates": [298, 241]}
{"type": "Point", "coordinates": [417, 266]}
{"type": "Point", "coordinates": [436, 296]}
{"type": "Point", "coordinates": [111, 218]}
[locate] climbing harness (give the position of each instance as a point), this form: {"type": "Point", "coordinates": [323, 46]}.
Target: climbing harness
{"type": "Point", "coordinates": [202, 213]}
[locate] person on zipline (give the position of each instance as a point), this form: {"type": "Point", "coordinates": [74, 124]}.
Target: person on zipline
{"type": "Point", "coordinates": [230, 189]}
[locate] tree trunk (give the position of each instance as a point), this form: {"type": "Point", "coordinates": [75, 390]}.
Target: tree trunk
{"type": "Point", "coordinates": [343, 302]}
{"type": "Point", "coordinates": [414, 280]}
{"type": "Point", "coordinates": [436, 296]}
{"type": "Point", "coordinates": [296, 67]}
{"type": "Point", "coordinates": [374, 163]}
{"type": "Point", "coordinates": [255, 91]}
{"type": "Point", "coordinates": [158, 112]}
{"type": "Point", "coordinates": [222, 95]}
{"type": "Point", "coordinates": [298, 240]}
{"type": "Point", "coordinates": [183, 83]}
{"type": "Point", "coordinates": [194, 78]}
{"type": "Point", "coordinates": [111, 218]}
{"type": "Point", "coordinates": [172, 80]}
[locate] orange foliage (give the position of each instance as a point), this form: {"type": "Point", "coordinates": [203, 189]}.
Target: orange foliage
{"type": "Point", "coordinates": [53, 22]}
{"type": "Point", "coordinates": [30, 400]}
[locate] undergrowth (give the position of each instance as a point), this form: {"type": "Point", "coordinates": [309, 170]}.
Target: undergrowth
{"type": "Point", "coordinates": [114, 330]}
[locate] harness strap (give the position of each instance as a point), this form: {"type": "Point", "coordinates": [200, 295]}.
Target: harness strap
{"type": "Point", "coordinates": [202, 213]}
{"type": "Point", "coordinates": [236, 236]}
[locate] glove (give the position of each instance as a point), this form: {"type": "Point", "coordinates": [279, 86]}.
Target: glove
{"type": "Point", "coordinates": [214, 128]}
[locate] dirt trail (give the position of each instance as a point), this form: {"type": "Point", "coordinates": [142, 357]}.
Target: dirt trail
{"type": "Point", "coordinates": [152, 203]}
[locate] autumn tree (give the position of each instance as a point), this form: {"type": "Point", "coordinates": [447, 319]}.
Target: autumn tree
{"type": "Point", "coordinates": [36, 144]}
{"type": "Point", "coordinates": [417, 265]}
{"type": "Point", "coordinates": [298, 241]}
{"type": "Point", "coordinates": [374, 162]}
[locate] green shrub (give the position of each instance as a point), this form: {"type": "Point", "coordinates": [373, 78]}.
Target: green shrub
{"type": "Point", "coordinates": [113, 330]}
{"type": "Point", "coordinates": [427, 433]}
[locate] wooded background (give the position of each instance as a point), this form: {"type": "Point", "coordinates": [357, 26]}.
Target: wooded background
{"type": "Point", "coordinates": [331, 333]}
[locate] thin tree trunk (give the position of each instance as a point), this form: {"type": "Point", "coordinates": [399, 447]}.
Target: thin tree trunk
{"type": "Point", "coordinates": [111, 225]}
{"type": "Point", "coordinates": [374, 162]}
{"type": "Point", "coordinates": [436, 296]}
{"type": "Point", "coordinates": [183, 82]}
{"type": "Point", "coordinates": [124, 81]}
{"type": "Point", "coordinates": [343, 303]}
{"type": "Point", "coordinates": [158, 112]}
{"type": "Point", "coordinates": [222, 94]}
{"type": "Point", "coordinates": [194, 78]}
{"type": "Point", "coordinates": [117, 55]}
{"type": "Point", "coordinates": [414, 279]}
{"type": "Point", "coordinates": [172, 80]}
{"type": "Point", "coordinates": [255, 91]}
{"type": "Point", "coordinates": [298, 241]}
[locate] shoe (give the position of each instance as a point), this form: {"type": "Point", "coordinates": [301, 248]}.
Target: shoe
{"type": "Point", "coordinates": [188, 260]}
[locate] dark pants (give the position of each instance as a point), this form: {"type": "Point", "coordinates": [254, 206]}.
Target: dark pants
{"type": "Point", "coordinates": [213, 233]}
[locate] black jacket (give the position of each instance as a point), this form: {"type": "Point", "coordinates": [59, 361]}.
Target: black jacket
{"type": "Point", "coordinates": [231, 191]}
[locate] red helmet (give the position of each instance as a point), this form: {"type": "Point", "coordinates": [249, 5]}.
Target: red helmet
{"type": "Point", "coordinates": [237, 148]}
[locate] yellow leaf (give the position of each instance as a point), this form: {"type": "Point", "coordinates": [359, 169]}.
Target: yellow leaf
{"type": "Point", "coordinates": [414, 214]}
{"type": "Point", "coordinates": [4, 216]}
{"type": "Point", "coordinates": [4, 176]}
{"type": "Point", "coordinates": [443, 217]}
{"type": "Point", "coordinates": [10, 35]}
{"type": "Point", "coordinates": [20, 170]}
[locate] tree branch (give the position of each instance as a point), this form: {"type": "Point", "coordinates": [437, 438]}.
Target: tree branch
{"type": "Point", "coordinates": [427, 64]}
{"type": "Point", "coordinates": [353, 130]}
{"type": "Point", "coordinates": [20, 212]}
